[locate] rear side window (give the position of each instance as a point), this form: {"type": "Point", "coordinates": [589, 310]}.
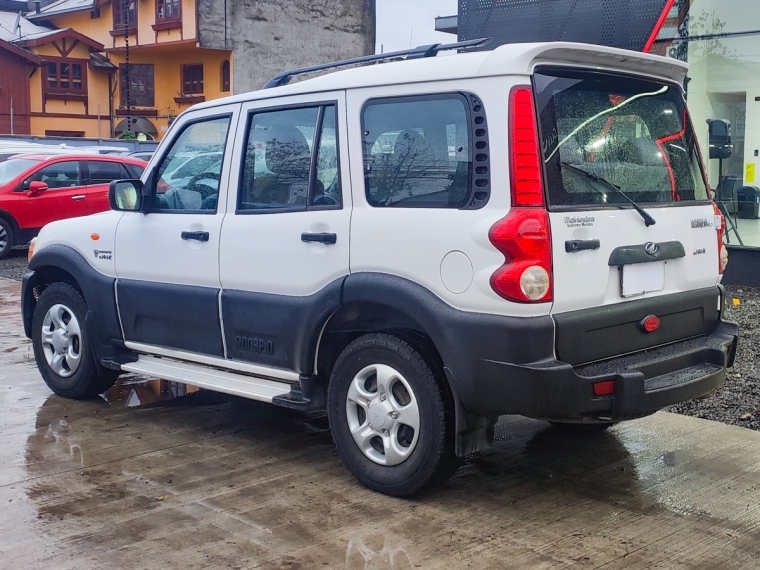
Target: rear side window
{"type": "Point", "coordinates": [634, 133]}
{"type": "Point", "coordinates": [291, 161]}
{"type": "Point", "coordinates": [418, 151]}
{"type": "Point", "coordinates": [103, 172]}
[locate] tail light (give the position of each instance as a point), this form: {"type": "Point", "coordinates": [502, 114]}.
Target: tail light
{"type": "Point", "coordinates": [720, 224]}
{"type": "Point", "coordinates": [524, 235]}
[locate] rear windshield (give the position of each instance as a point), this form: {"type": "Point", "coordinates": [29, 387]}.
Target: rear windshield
{"type": "Point", "coordinates": [634, 133]}
{"type": "Point", "coordinates": [12, 167]}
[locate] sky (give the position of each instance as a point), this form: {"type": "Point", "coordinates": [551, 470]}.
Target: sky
{"type": "Point", "coordinates": [399, 21]}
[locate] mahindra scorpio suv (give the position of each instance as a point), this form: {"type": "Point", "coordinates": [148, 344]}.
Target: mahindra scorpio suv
{"type": "Point", "coordinates": [415, 248]}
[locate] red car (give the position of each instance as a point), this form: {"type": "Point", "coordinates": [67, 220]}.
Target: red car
{"type": "Point", "coordinates": [38, 189]}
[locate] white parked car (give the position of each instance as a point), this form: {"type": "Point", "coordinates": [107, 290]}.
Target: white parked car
{"type": "Point", "coordinates": [415, 248]}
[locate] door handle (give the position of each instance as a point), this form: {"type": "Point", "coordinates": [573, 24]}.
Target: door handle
{"type": "Point", "coordinates": [573, 245]}
{"type": "Point", "coordinates": [78, 197]}
{"type": "Point", "coordinates": [197, 236]}
{"type": "Point", "coordinates": [323, 237]}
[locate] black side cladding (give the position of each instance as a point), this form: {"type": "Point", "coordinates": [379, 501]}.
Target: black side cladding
{"type": "Point", "coordinates": [182, 317]}
{"type": "Point", "coordinates": [277, 330]}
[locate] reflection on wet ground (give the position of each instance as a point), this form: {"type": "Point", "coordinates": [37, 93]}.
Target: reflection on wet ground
{"type": "Point", "coordinates": [195, 479]}
{"type": "Point", "coordinates": [132, 390]}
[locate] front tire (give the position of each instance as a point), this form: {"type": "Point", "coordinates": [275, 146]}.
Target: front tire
{"type": "Point", "coordinates": [6, 238]}
{"type": "Point", "coordinates": [390, 418]}
{"type": "Point", "coordinates": [62, 346]}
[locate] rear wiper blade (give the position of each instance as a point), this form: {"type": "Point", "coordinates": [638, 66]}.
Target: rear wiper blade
{"type": "Point", "coordinates": [648, 220]}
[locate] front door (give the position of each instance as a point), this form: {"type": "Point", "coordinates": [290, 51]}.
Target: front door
{"type": "Point", "coordinates": [64, 198]}
{"type": "Point", "coordinates": [284, 249]}
{"type": "Point", "coordinates": [167, 260]}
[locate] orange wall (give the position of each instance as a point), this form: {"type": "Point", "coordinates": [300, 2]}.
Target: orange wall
{"type": "Point", "coordinates": [167, 72]}
{"type": "Point", "coordinates": [99, 28]}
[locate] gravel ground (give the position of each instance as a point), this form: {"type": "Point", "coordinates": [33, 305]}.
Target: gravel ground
{"type": "Point", "coordinates": [736, 403]}
{"type": "Point", "coordinates": [14, 266]}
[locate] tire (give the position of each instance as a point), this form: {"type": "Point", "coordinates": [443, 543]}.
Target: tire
{"type": "Point", "coordinates": [375, 377]}
{"type": "Point", "coordinates": [6, 238]}
{"type": "Point", "coordinates": [65, 357]}
{"type": "Point", "coordinates": [582, 428]}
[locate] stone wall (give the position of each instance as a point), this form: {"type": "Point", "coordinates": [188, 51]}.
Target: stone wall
{"type": "Point", "coordinates": [271, 36]}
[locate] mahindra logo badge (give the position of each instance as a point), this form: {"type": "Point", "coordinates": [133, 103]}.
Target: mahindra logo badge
{"type": "Point", "coordinates": [652, 249]}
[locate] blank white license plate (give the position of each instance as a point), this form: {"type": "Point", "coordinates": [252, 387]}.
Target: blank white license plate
{"type": "Point", "coordinates": [642, 278]}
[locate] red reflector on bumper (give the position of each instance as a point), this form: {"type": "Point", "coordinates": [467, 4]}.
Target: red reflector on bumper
{"type": "Point", "coordinates": [604, 388]}
{"type": "Point", "coordinates": [650, 324]}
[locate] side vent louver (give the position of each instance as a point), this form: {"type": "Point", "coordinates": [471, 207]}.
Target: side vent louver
{"type": "Point", "coordinates": [481, 162]}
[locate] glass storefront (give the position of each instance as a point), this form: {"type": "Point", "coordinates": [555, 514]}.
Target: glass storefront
{"type": "Point", "coordinates": [720, 39]}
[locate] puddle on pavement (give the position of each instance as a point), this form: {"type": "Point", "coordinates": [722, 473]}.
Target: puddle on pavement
{"type": "Point", "coordinates": [132, 391]}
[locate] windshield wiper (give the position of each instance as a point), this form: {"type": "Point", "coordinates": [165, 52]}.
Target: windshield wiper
{"type": "Point", "coordinates": [648, 220]}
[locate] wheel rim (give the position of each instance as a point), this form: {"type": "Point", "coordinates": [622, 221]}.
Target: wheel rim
{"type": "Point", "coordinates": [3, 238]}
{"type": "Point", "coordinates": [383, 414]}
{"type": "Point", "coordinates": [61, 340]}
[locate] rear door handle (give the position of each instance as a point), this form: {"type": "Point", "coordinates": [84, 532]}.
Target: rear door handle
{"type": "Point", "coordinates": [573, 245]}
{"type": "Point", "coordinates": [78, 197]}
{"type": "Point", "coordinates": [197, 236]}
{"type": "Point", "coordinates": [323, 237]}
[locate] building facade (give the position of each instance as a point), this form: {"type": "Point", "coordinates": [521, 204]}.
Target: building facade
{"type": "Point", "coordinates": [99, 68]}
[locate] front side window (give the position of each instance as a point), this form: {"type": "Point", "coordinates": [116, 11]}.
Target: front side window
{"type": "Point", "coordinates": [417, 152]}
{"type": "Point", "coordinates": [192, 78]}
{"type": "Point", "coordinates": [140, 85]}
{"type": "Point", "coordinates": [57, 176]}
{"type": "Point", "coordinates": [65, 76]}
{"type": "Point", "coordinates": [189, 174]}
{"type": "Point", "coordinates": [635, 133]}
{"type": "Point", "coordinates": [281, 170]}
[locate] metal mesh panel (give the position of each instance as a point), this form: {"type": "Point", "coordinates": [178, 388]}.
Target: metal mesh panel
{"type": "Point", "coordinates": [617, 23]}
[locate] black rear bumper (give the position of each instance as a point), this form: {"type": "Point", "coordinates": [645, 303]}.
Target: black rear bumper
{"type": "Point", "coordinates": [644, 382]}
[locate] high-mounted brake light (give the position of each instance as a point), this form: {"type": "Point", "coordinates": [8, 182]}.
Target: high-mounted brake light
{"type": "Point", "coordinates": [525, 161]}
{"type": "Point", "coordinates": [524, 235]}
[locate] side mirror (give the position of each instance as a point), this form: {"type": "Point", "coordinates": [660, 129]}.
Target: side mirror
{"type": "Point", "coordinates": [36, 187]}
{"type": "Point", "coordinates": [125, 195]}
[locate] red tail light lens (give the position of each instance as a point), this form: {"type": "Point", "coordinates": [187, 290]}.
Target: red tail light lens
{"type": "Point", "coordinates": [525, 240]}
{"type": "Point", "coordinates": [527, 189]}
{"type": "Point", "coordinates": [604, 388]}
{"type": "Point", "coordinates": [720, 224]}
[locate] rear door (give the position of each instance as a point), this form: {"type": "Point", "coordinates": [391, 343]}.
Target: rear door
{"type": "Point", "coordinates": [285, 240]}
{"type": "Point", "coordinates": [601, 130]}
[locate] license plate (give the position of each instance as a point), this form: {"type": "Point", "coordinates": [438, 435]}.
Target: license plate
{"type": "Point", "coordinates": [641, 278]}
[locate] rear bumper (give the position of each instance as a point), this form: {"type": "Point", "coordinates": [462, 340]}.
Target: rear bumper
{"type": "Point", "coordinates": [644, 382]}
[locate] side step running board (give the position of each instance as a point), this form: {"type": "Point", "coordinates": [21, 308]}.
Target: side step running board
{"type": "Point", "coordinates": [210, 378]}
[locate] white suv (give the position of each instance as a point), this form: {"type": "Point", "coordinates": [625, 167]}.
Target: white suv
{"type": "Point", "coordinates": [414, 247]}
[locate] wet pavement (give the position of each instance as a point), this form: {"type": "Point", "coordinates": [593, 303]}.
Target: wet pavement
{"type": "Point", "coordinates": [157, 475]}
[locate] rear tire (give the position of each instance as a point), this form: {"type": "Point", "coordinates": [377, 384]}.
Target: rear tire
{"type": "Point", "coordinates": [582, 428]}
{"type": "Point", "coordinates": [6, 238]}
{"type": "Point", "coordinates": [389, 417]}
{"type": "Point", "coordinates": [62, 346]}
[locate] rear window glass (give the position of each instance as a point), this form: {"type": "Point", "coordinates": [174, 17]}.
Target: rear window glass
{"type": "Point", "coordinates": [634, 133]}
{"type": "Point", "coordinates": [417, 152]}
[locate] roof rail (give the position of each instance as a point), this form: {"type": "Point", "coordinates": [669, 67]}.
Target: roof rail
{"type": "Point", "coordinates": [414, 53]}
